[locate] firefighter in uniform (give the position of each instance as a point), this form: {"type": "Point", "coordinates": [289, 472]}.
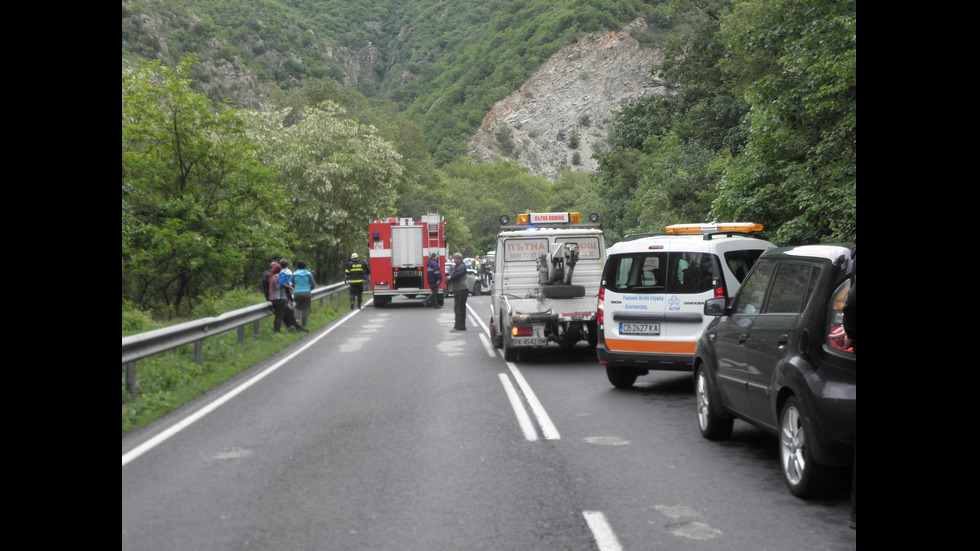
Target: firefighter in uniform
{"type": "Point", "coordinates": [357, 270]}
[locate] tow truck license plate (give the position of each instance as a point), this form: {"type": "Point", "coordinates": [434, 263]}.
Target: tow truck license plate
{"type": "Point", "coordinates": [639, 328]}
{"type": "Point", "coordinates": [528, 341]}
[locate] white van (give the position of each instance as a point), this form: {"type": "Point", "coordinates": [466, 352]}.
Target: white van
{"type": "Point", "coordinates": [651, 299]}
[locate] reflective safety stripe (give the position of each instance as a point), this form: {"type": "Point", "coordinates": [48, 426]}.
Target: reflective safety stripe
{"type": "Point", "coordinates": [355, 273]}
{"type": "Point", "coordinates": [650, 347]}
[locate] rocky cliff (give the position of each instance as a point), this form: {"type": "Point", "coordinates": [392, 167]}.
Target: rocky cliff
{"type": "Point", "coordinates": [567, 106]}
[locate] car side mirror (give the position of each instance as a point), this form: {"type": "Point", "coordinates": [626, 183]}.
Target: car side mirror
{"type": "Point", "coordinates": [715, 306]}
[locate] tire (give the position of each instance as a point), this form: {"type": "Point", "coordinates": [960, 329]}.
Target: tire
{"type": "Point", "coordinates": [510, 353]}
{"type": "Point", "coordinates": [440, 300]}
{"type": "Point", "coordinates": [381, 302]}
{"type": "Point", "coordinates": [804, 477]}
{"type": "Point", "coordinates": [496, 338]}
{"type": "Point", "coordinates": [593, 334]}
{"type": "Point", "coordinates": [620, 377]}
{"type": "Point", "coordinates": [562, 291]}
{"type": "Point", "coordinates": [713, 426]}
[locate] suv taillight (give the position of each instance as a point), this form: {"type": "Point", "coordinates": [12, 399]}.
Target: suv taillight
{"type": "Point", "coordinates": [600, 306]}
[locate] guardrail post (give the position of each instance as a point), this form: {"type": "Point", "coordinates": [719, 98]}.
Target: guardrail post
{"type": "Point", "coordinates": [241, 335]}
{"type": "Point", "coordinates": [199, 351]}
{"type": "Point", "coordinates": [131, 378]}
{"type": "Point", "coordinates": [255, 327]}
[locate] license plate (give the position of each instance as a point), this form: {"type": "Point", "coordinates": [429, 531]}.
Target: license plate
{"type": "Point", "coordinates": [528, 341]}
{"type": "Point", "coordinates": [639, 328]}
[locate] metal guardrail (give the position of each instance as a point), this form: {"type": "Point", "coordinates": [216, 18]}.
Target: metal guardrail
{"type": "Point", "coordinates": [142, 345]}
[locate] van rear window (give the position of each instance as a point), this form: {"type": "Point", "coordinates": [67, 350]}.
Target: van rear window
{"type": "Point", "coordinates": [661, 272]}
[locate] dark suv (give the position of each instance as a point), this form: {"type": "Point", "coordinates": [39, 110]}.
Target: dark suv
{"type": "Point", "coordinates": [768, 359]}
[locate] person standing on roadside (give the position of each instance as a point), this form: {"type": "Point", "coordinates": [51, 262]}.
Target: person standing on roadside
{"type": "Point", "coordinates": [357, 270]}
{"type": "Point", "coordinates": [434, 277]}
{"type": "Point", "coordinates": [303, 285]}
{"type": "Point", "coordinates": [265, 282]}
{"type": "Point", "coordinates": [278, 294]}
{"type": "Point", "coordinates": [457, 284]}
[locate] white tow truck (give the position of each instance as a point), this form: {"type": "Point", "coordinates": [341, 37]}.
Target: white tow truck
{"type": "Point", "coordinates": [547, 270]}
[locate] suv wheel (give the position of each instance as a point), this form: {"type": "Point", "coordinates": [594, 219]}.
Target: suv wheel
{"type": "Point", "coordinates": [805, 478]}
{"type": "Point", "coordinates": [620, 377]}
{"type": "Point", "coordinates": [712, 425]}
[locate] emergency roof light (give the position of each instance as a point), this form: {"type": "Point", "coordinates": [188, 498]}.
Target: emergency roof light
{"type": "Point", "coordinates": [678, 229]}
{"type": "Point", "coordinates": [536, 220]}
{"type": "Point", "coordinates": [548, 218]}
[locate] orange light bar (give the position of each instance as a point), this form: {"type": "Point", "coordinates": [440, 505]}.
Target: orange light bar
{"type": "Point", "coordinates": [714, 227]}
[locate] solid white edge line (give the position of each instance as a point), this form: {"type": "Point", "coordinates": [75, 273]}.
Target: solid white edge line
{"type": "Point", "coordinates": [604, 536]}
{"type": "Point", "coordinates": [486, 345]}
{"type": "Point", "coordinates": [547, 427]}
{"type": "Point", "coordinates": [515, 402]}
{"type": "Point", "coordinates": [186, 422]}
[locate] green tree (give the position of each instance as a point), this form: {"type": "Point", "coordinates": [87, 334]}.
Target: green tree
{"type": "Point", "coordinates": [796, 62]}
{"type": "Point", "coordinates": [336, 174]}
{"type": "Point", "coordinates": [196, 204]}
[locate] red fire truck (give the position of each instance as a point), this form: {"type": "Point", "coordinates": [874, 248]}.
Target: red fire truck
{"type": "Point", "coordinates": [399, 249]}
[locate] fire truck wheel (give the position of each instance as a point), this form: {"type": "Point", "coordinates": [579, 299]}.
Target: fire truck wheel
{"type": "Point", "coordinates": [381, 302]}
{"type": "Point", "coordinates": [562, 291]}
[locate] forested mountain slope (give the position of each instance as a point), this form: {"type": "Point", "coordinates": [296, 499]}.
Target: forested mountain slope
{"type": "Point", "coordinates": [443, 63]}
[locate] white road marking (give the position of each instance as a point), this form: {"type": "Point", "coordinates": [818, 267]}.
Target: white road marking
{"type": "Point", "coordinates": [515, 402]}
{"type": "Point", "coordinates": [353, 344]}
{"type": "Point", "coordinates": [601, 531]}
{"type": "Point", "coordinates": [547, 427]}
{"type": "Point", "coordinates": [607, 440]}
{"type": "Point", "coordinates": [486, 345]}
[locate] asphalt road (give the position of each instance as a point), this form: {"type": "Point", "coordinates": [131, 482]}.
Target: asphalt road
{"type": "Point", "coordinates": [386, 431]}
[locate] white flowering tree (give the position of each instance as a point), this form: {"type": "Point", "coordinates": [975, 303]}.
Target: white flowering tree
{"type": "Point", "coordinates": [337, 174]}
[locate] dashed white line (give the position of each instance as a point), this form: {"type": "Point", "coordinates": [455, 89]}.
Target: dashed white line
{"type": "Point", "coordinates": [515, 402]}
{"type": "Point", "coordinates": [547, 427]}
{"type": "Point", "coordinates": [604, 536]}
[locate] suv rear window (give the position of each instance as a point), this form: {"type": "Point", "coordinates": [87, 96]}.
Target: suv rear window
{"type": "Point", "coordinates": [792, 285]}
{"type": "Point", "coordinates": [740, 262]}
{"type": "Point", "coordinates": [661, 272]}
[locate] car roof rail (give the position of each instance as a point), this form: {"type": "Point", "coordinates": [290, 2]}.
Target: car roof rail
{"type": "Point", "coordinates": [634, 236]}
{"type": "Point", "coordinates": [708, 236]}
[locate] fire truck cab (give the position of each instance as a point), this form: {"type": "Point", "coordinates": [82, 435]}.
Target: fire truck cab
{"type": "Point", "coordinates": [398, 251]}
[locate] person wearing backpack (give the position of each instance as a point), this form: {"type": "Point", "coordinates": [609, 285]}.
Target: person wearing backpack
{"type": "Point", "coordinates": [303, 285]}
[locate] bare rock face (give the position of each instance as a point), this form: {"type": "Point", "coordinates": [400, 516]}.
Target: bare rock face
{"type": "Point", "coordinates": [567, 106]}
